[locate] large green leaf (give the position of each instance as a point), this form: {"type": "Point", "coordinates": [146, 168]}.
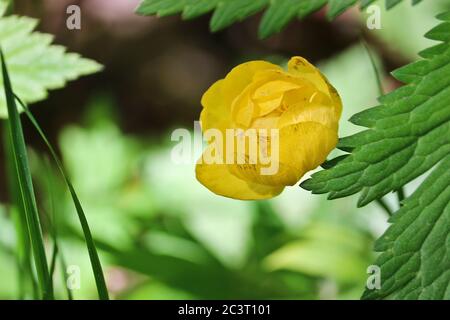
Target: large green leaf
{"type": "Point", "coordinates": [407, 135]}
{"type": "Point", "coordinates": [35, 65]}
{"type": "Point", "coordinates": [415, 263]}
{"type": "Point", "coordinates": [227, 12]}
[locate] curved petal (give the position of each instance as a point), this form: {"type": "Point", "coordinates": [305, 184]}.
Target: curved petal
{"type": "Point", "coordinates": [301, 148]}
{"type": "Point", "coordinates": [274, 88]}
{"type": "Point", "coordinates": [218, 99]}
{"type": "Point", "coordinates": [265, 94]}
{"type": "Point", "coordinates": [306, 145]}
{"type": "Point", "coordinates": [282, 174]}
{"type": "Point", "coordinates": [337, 102]}
{"type": "Point", "coordinates": [216, 112]}
{"type": "Point", "coordinates": [301, 68]}
{"type": "Point", "coordinates": [242, 75]}
{"type": "Point", "coordinates": [298, 113]}
{"type": "Point", "coordinates": [306, 95]}
{"type": "Point", "coordinates": [218, 179]}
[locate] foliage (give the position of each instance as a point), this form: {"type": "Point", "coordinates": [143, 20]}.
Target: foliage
{"type": "Point", "coordinates": [407, 135]}
{"type": "Point", "coordinates": [404, 35]}
{"type": "Point", "coordinates": [26, 201]}
{"type": "Point", "coordinates": [227, 12]}
{"type": "Point", "coordinates": [171, 244]}
{"type": "Point", "coordinates": [25, 185]}
{"type": "Point", "coordinates": [93, 256]}
{"type": "Point", "coordinates": [35, 65]}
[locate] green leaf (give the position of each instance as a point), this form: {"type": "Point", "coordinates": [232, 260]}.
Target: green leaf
{"type": "Point", "coordinates": [392, 3]}
{"type": "Point", "coordinates": [26, 187]}
{"type": "Point", "coordinates": [309, 7]}
{"type": "Point", "coordinates": [415, 262]}
{"type": "Point", "coordinates": [278, 16]}
{"type": "Point", "coordinates": [231, 11]}
{"type": "Point", "coordinates": [36, 66]}
{"type": "Point", "coordinates": [325, 250]}
{"type": "Point", "coordinates": [227, 12]}
{"type": "Point", "coordinates": [53, 226]}
{"type": "Point", "coordinates": [407, 135]}
{"type": "Point", "coordinates": [3, 6]}
{"type": "Point", "coordinates": [93, 255]}
{"type": "Point", "coordinates": [196, 8]}
{"type": "Point", "coordinates": [339, 6]}
{"type": "Point", "coordinates": [23, 245]}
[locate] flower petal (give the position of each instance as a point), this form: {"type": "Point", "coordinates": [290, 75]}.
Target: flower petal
{"type": "Point", "coordinates": [216, 112]}
{"type": "Point", "coordinates": [283, 174]}
{"type": "Point", "coordinates": [245, 114]}
{"type": "Point", "coordinates": [242, 75]}
{"type": "Point", "coordinates": [218, 179]}
{"type": "Point", "coordinates": [306, 145]}
{"type": "Point", "coordinates": [301, 148]}
{"type": "Point", "coordinates": [301, 68]}
{"type": "Point", "coordinates": [268, 105]}
{"type": "Point", "coordinates": [218, 99]}
{"type": "Point", "coordinates": [298, 113]}
{"type": "Point", "coordinates": [274, 88]}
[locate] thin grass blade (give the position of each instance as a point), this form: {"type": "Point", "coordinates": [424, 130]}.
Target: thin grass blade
{"type": "Point", "coordinates": [57, 252]}
{"type": "Point", "coordinates": [26, 187]}
{"type": "Point", "coordinates": [26, 275]}
{"type": "Point", "coordinates": [93, 255]}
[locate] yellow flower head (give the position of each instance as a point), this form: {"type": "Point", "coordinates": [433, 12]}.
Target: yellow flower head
{"type": "Point", "coordinates": [266, 127]}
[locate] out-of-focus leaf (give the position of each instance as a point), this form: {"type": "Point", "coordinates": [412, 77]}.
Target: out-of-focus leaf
{"type": "Point", "coordinates": [328, 251]}
{"type": "Point", "coordinates": [341, 71]}
{"type": "Point", "coordinates": [153, 290]}
{"type": "Point", "coordinates": [36, 66]}
{"type": "Point", "coordinates": [225, 230]}
{"type": "Point", "coordinates": [402, 27]}
{"type": "Point", "coordinates": [227, 12]}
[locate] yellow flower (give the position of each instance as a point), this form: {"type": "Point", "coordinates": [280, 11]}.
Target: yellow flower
{"type": "Point", "coordinates": [298, 106]}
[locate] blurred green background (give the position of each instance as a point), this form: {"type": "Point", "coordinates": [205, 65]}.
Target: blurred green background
{"type": "Point", "coordinates": [160, 233]}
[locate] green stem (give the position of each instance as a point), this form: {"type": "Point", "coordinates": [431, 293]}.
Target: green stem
{"type": "Point", "coordinates": [63, 266]}
{"type": "Point", "coordinates": [54, 257]}
{"type": "Point", "coordinates": [400, 195]}
{"type": "Point", "coordinates": [385, 207]}
{"type": "Point", "coordinates": [57, 252]}
{"type": "Point", "coordinates": [400, 191]}
{"type": "Point", "coordinates": [10, 8]}
{"type": "Point", "coordinates": [375, 69]}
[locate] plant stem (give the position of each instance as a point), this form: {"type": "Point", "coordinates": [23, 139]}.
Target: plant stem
{"type": "Point", "coordinates": [384, 205]}
{"type": "Point", "coordinates": [400, 195]}
{"type": "Point", "coordinates": [375, 69]}
{"type": "Point", "coordinates": [400, 191]}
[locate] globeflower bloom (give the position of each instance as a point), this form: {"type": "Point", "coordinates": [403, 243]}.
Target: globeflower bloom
{"type": "Point", "coordinates": [266, 127]}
